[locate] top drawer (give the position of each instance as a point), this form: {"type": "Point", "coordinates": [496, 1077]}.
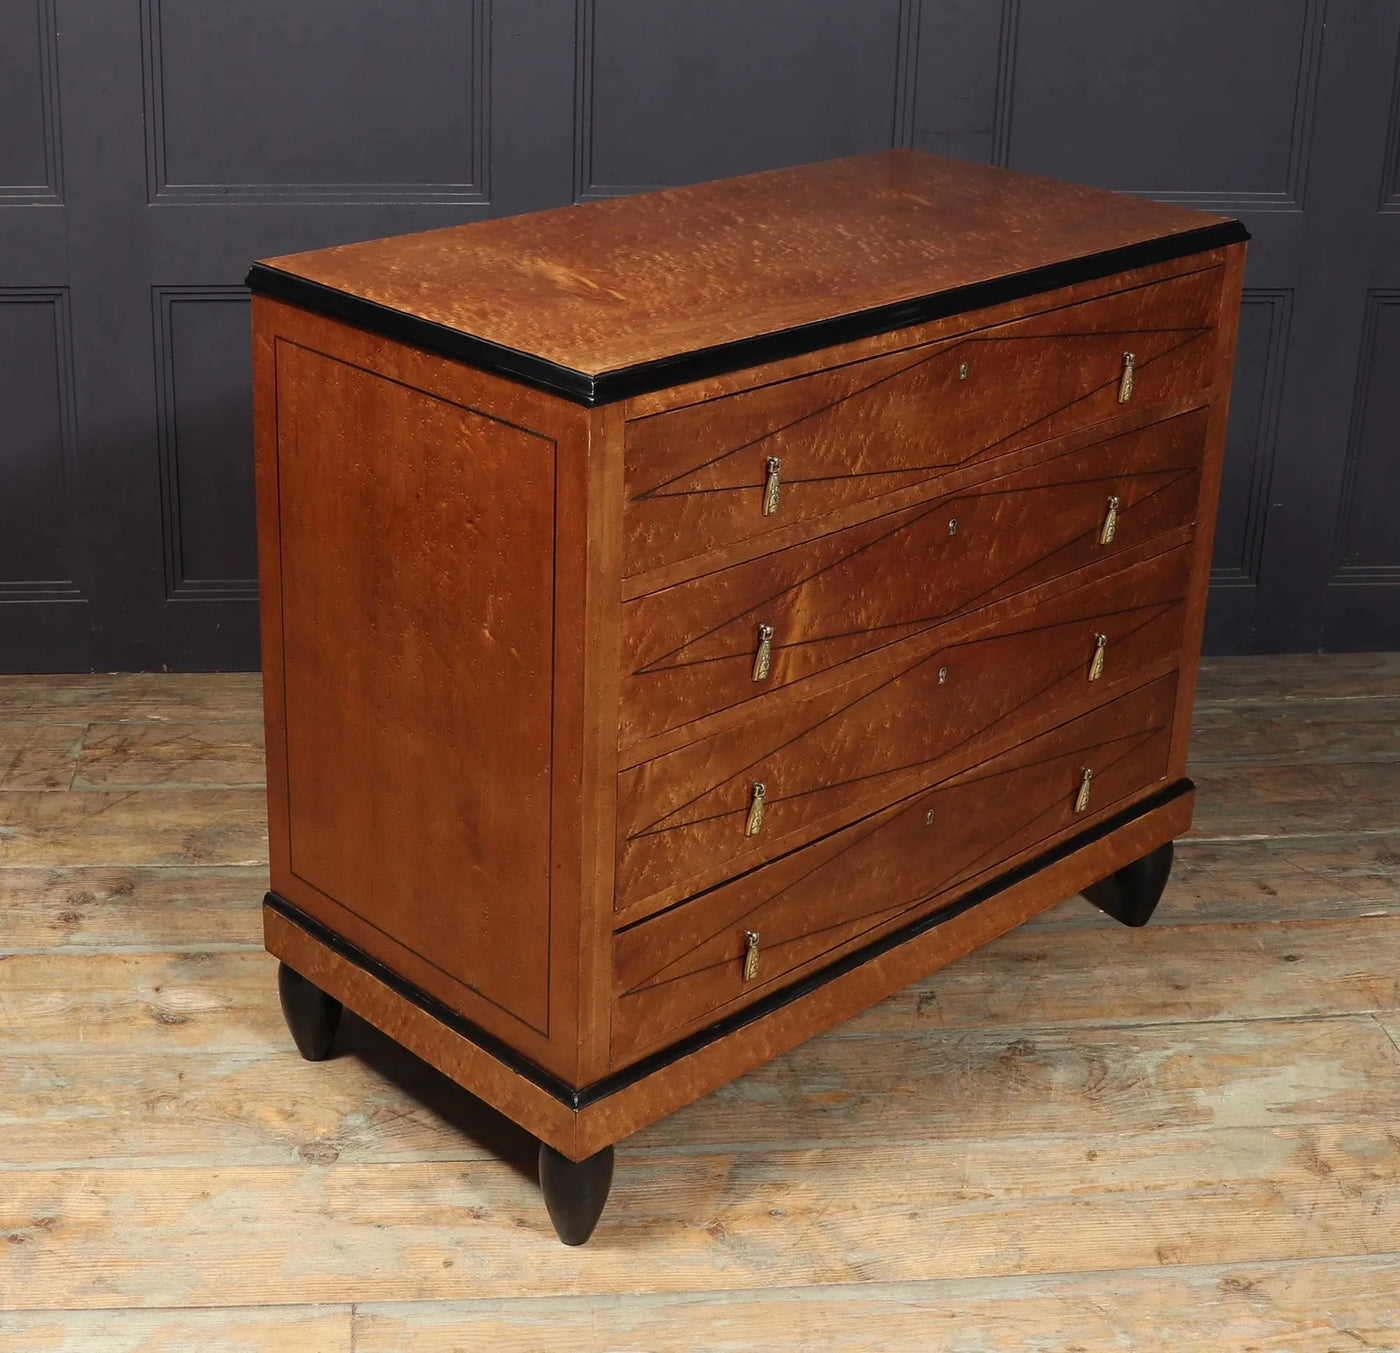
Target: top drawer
{"type": "Point", "coordinates": [697, 477]}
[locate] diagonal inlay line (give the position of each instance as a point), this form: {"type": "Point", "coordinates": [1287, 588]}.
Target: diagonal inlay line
{"type": "Point", "coordinates": [658, 491]}
{"type": "Point", "coordinates": [661, 663]}
{"type": "Point", "coordinates": [881, 817]}
{"type": "Point", "coordinates": [1153, 612]}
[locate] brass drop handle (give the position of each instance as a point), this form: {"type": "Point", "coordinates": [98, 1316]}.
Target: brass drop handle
{"type": "Point", "coordinates": [1100, 652]}
{"type": "Point", "coordinates": [750, 955]}
{"type": "Point", "coordinates": [1086, 777]}
{"type": "Point", "coordinates": [772, 485]}
{"type": "Point", "coordinates": [763, 657]}
{"type": "Point", "coordinates": [1110, 523]}
{"type": "Point", "coordinates": [755, 822]}
{"type": "Point", "coordinates": [1125, 383]}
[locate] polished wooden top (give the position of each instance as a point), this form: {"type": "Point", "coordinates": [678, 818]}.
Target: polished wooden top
{"type": "Point", "coordinates": [614, 285]}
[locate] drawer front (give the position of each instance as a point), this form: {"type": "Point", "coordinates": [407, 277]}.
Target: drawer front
{"type": "Point", "coordinates": [689, 651]}
{"type": "Point", "coordinates": [696, 477]}
{"type": "Point", "coordinates": [685, 819]}
{"type": "Point", "coordinates": [680, 971]}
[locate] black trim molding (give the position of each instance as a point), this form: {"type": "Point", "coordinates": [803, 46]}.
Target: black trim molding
{"type": "Point", "coordinates": [609, 1085]}
{"type": "Point", "coordinates": [645, 377]}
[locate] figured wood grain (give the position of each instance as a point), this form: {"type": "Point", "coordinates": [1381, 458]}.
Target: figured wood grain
{"type": "Point", "coordinates": [461, 1058]}
{"type": "Point", "coordinates": [687, 651]}
{"type": "Point", "coordinates": [131, 907]}
{"type": "Point", "coordinates": [1229, 1308]}
{"type": "Point", "coordinates": [442, 1230]}
{"type": "Point", "coordinates": [695, 477]}
{"type": "Point", "coordinates": [169, 756]}
{"type": "Point", "coordinates": [411, 805]}
{"type": "Point", "coordinates": [447, 593]}
{"type": "Point", "coordinates": [611, 284]}
{"type": "Point", "coordinates": [828, 758]}
{"type": "Point", "coordinates": [575, 623]}
{"type": "Point", "coordinates": [686, 966]}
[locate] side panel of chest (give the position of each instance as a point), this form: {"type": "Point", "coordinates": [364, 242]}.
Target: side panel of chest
{"type": "Point", "coordinates": [418, 535]}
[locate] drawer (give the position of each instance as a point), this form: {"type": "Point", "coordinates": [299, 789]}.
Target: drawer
{"type": "Point", "coordinates": [681, 970]}
{"type": "Point", "coordinates": [824, 759]}
{"type": "Point", "coordinates": [695, 477]}
{"type": "Point", "coordinates": [689, 650]}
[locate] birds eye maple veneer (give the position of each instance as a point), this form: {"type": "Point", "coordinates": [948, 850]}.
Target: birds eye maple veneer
{"type": "Point", "coordinates": [690, 617]}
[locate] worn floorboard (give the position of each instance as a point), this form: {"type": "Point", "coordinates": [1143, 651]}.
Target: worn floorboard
{"type": "Point", "coordinates": [1078, 1137]}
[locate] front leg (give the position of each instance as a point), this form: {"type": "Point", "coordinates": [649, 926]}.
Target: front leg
{"type": "Point", "coordinates": [575, 1191]}
{"type": "Point", "coordinates": [311, 1015]}
{"type": "Point", "coordinates": [1131, 894]}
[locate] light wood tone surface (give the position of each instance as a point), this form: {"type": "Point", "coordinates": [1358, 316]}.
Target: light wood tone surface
{"type": "Point", "coordinates": [857, 432]}
{"type": "Point", "coordinates": [609, 284]}
{"type": "Point", "coordinates": [1177, 1137]}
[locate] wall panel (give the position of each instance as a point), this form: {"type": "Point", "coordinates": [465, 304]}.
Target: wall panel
{"type": "Point", "coordinates": [674, 92]}
{"type": "Point", "coordinates": [295, 99]}
{"type": "Point", "coordinates": [36, 462]}
{"type": "Point", "coordinates": [150, 149]}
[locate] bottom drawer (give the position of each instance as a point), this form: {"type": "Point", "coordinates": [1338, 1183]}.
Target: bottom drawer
{"type": "Point", "coordinates": [679, 971]}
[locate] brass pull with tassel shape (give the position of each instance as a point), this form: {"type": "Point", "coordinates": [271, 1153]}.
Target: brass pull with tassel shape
{"type": "Point", "coordinates": [750, 955]}
{"type": "Point", "coordinates": [1110, 523]}
{"type": "Point", "coordinates": [763, 657]}
{"type": "Point", "coordinates": [1081, 803]}
{"type": "Point", "coordinates": [1100, 652]}
{"type": "Point", "coordinates": [755, 823]}
{"type": "Point", "coordinates": [772, 485]}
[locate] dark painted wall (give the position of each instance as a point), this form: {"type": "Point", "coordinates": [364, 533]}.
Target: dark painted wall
{"type": "Point", "coordinates": [149, 149]}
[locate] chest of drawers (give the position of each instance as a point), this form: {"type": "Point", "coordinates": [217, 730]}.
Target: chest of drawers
{"type": "Point", "coordinates": [688, 618]}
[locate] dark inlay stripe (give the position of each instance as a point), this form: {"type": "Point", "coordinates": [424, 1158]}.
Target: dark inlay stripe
{"type": "Point", "coordinates": [610, 1085]}
{"type": "Point", "coordinates": [644, 377]}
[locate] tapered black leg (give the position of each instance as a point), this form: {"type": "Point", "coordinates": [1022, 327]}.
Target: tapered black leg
{"type": "Point", "coordinates": [575, 1191]}
{"type": "Point", "coordinates": [1131, 894]}
{"type": "Point", "coordinates": [311, 1015]}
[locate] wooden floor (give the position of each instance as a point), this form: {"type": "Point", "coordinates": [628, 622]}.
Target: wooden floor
{"type": "Point", "coordinates": [1081, 1137]}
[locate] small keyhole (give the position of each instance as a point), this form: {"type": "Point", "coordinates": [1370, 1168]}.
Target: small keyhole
{"type": "Point", "coordinates": [952, 526]}
{"type": "Point", "coordinates": [942, 675]}
{"type": "Point", "coordinates": [928, 818]}
{"type": "Point", "coordinates": [962, 372]}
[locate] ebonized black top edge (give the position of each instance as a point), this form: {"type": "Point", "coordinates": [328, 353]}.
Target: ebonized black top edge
{"type": "Point", "coordinates": [577, 1098]}
{"type": "Point", "coordinates": [645, 377]}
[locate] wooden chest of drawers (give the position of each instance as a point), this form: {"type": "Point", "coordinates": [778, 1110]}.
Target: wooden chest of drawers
{"type": "Point", "coordinates": [688, 618]}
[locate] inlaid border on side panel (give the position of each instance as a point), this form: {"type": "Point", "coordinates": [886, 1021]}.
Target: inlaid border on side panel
{"type": "Point", "coordinates": [580, 1120]}
{"type": "Point", "coordinates": [573, 909]}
